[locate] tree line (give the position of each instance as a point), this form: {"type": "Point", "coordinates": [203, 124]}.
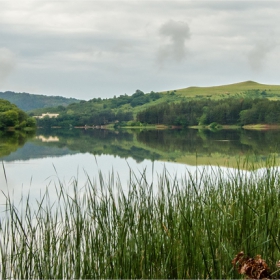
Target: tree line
{"type": "Point", "coordinates": [205, 111]}
{"type": "Point", "coordinates": [96, 118]}
{"type": "Point", "coordinates": [230, 111]}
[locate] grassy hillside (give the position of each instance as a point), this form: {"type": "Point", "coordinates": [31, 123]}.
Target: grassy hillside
{"type": "Point", "coordinates": [248, 88]}
{"type": "Point", "coordinates": [244, 89]}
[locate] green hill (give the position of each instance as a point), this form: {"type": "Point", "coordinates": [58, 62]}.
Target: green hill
{"type": "Point", "coordinates": [28, 102]}
{"type": "Point", "coordinates": [248, 88]}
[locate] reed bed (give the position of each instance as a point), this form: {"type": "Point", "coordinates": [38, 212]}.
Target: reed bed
{"type": "Point", "coordinates": [190, 227]}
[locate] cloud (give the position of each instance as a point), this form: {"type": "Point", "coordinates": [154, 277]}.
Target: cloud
{"type": "Point", "coordinates": [177, 32]}
{"type": "Point", "coordinates": [112, 47]}
{"type": "Point", "coordinates": [258, 55]}
{"type": "Point", "coordinates": [7, 63]}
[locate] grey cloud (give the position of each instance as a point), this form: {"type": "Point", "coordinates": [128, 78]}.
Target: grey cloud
{"type": "Point", "coordinates": [238, 6]}
{"type": "Point", "coordinates": [177, 32]}
{"type": "Point", "coordinates": [258, 54]}
{"type": "Point", "coordinates": [7, 63]}
{"type": "Point", "coordinates": [121, 47]}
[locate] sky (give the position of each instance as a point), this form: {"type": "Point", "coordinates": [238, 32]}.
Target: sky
{"type": "Point", "coordinates": [88, 49]}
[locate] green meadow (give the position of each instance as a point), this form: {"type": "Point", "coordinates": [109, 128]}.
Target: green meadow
{"type": "Point", "coordinates": [189, 227]}
{"type": "Point", "coordinates": [248, 89]}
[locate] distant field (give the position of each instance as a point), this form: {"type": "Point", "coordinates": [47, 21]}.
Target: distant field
{"type": "Point", "coordinates": [248, 88]}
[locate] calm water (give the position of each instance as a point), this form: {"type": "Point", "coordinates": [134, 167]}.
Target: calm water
{"type": "Point", "coordinates": [32, 163]}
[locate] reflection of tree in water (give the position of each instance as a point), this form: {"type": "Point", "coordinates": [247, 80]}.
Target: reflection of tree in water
{"type": "Point", "coordinates": [10, 141]}
{"type": "Point", "coordinates": [140, 154]}
{"type": "Point", "coordinates": [100, 142]}
{"type": "Point", "coordinates": [230, 142]}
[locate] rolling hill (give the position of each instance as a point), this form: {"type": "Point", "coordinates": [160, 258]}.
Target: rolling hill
{"type": "Point", "coordinates": [248, 89]}
{"type": "Point", "coordinates": [28, 102]}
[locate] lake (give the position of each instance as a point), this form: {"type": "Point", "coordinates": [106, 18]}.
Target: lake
{"type": "Point", "coordinates": [48, 158]}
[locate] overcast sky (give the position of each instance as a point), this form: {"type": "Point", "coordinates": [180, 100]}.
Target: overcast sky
{"type": "Point", "coordinates": [86, 49]}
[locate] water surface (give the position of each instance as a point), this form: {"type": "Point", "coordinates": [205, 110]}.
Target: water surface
{"type": "Point", "coordinates": [32, 163]}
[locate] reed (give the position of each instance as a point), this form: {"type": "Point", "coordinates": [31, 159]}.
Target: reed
{"type": "Point", "coordinates": [190, 227]}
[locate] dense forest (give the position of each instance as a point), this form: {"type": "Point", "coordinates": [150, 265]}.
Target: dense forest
{"type": "Point", "coordinates": [12, 116]}
{"type": "Point", "coordinates": [98, 111]}
{"type": "Point", "coordinates": [28, 102]}
{"type": "Point", "coordinates": [204, 111]}
{"type": "Point", "coordinates": [229, 111]}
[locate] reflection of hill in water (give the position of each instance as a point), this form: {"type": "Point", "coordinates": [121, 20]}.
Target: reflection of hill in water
{"type": "Point", "coordinates": [31, 150]}
{"type": "Point", "coordinates": [185, 146]}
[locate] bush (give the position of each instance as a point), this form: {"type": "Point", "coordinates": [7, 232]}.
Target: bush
{"type": "Point", "coordinates": [214, 126]}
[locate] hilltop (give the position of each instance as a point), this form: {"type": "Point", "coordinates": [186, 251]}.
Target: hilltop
{"type": "Point", "coordinates": [247, 88]}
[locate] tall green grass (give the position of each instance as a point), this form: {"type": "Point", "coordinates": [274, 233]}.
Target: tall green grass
{"type": "Point", "coordinates": [190, 227]}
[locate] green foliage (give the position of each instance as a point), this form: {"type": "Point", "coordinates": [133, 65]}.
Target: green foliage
{"type": "Point", "coordinates": [8, 119]}
{"type": "Point", "coordinates": [133, 123]}
{"type": "Point", "coordinates": [228, 111]}
{"type": "Point", "coordinates": [74, 118]}
{"type": "Point", "coordinates": [139, 98]}
{"type": "Point", "coordinates": [11, 116]}
{"type": "Point", "coordinates": [98, 111]}
{"type": "Point", "coordinates": [30, 122]}
{"type": "Point", "coordinates": [214, 126]}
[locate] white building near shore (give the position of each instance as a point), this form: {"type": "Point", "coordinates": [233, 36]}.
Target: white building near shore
{"type": "Point", "coordinates": [47, 115]}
